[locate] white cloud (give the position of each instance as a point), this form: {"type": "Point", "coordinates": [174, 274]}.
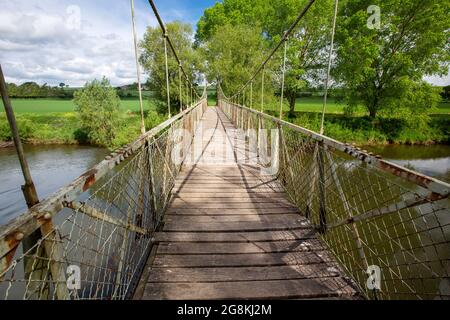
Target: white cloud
{"type": "Point", "coordinates": [439, 81]}
{"type": "Point", "coordinates": [43, 45]}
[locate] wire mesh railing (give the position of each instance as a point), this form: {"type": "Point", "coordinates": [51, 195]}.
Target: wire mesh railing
{"type": "Point", "coordinates": [91, 239]}
{"type": "Point", "coordinates": [389, 227]}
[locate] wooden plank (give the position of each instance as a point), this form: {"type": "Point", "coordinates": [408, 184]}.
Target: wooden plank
{"type": "Point", "coordinates": [219, 195]}
{"type": "Point", "coordinates": [297, 234]}
{"type": "Point", "coordinates": [232, 211]}
{"type": "Point", "coordinates": [225, 173]}
{"type": "Point", "coordinates": [234, 226]}
{"type": "Point", "coordinates": [273, 218]}
{"type": "Point", "coordinates": [319, 270]}
{"type": "Point", "coordinates": [278, 289]}
{"type": "Point", "coordinates": [222, 182]}
{"type": "Point", "coordinates": [248, 205]}
{"type": "Point", "coordinates": [186, 200]}
{"type": "Point", "coordinates": [241, 260]}
{"type": "Point", "coordinates": [244, 247]}
{"type": "Point", "coordinates": [215, 189]}
{"type": "Point", "coordinates": [215, 178]}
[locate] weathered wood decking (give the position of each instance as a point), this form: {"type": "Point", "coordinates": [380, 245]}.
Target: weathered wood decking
{"type": "Point", "coordinates": [231, 233]}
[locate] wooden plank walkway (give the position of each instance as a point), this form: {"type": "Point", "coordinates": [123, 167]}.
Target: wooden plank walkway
{"type": "Point", "coordinates": [230, 232]}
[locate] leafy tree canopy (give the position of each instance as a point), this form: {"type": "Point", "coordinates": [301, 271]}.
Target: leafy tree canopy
{"type": "Point", "coordinates": [381, 67]}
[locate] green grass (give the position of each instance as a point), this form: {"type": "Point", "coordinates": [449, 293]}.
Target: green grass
{"type": "Point", "coordinates": [212, 97]}
{"type": "Point", "coordinates": [314, 104]}
{"type": "Point", "coordinates": [443, 108]}
{"type": "Point", "coordinates": [40, 106]}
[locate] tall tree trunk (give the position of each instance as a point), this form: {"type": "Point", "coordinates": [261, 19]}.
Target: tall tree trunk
{"type": "Point", "coordinates": [292, 105]}
{"type": "Point", "coordinates": [373, 108]}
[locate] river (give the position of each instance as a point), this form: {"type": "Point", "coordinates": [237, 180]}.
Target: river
{"type": "Point", "coordinates": [55, 166]}
{"type": "Point", "coordinates": [51, 166]}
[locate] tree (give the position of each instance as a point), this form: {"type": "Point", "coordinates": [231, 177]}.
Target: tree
{"type": "Point", "coordinates": [306, 54]}
{"type": "Point", "coordinates": [153, 61]}
{"type": "Point", "coordinates": [379, 67]}
{"type": "Point", "coordinates": [307, 45]}
{"type": "Point", "coordinates": [62, 85]}
{"type": "Point", "coordinates": [97, 105]}
{"type": "Point", "coordinates": [233, 53]}
{"type": "Point", "coordinates": [232, 12]}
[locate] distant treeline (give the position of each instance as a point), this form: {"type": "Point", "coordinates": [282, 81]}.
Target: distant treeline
{"type": "Point", "coordinates": [32, 90]}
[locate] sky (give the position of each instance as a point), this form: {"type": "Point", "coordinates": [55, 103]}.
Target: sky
{"type": "Point", "coordinates": [74, 41]}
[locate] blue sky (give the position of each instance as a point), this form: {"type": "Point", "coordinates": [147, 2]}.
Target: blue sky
{"type": "Point", "coordinates": [73, 41]}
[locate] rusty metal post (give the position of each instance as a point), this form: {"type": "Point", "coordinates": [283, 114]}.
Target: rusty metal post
{"type": "Point", "coordinates": [28, 189]}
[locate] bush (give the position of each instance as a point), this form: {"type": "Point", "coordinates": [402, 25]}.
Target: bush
{"type": "Point", "coordinates": [97, 105]}
{"type": "Point", "coordinates": [153, 118]}
{"type": "Point", "coordinates": [25, 126]}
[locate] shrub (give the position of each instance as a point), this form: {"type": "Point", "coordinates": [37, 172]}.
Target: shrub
{"type": "Point", "coordinates": [97, 105]}
{"type": "Point", "coordinates": [26, 129]}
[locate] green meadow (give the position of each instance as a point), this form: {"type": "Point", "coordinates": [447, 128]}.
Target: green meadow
{"type": "Point", "coordinates": [40, 106]}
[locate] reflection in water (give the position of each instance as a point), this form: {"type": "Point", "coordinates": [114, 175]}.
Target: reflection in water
{"type": "Point", "coordinates": [52, 167]}
{"type": "Point", "coordinates": [433, 160]}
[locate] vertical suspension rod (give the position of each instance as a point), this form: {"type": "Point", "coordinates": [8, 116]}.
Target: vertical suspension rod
{"type": "Point", "coordinates": [330, 56]}
{"type": "Point", "coordinates": [138, 70]}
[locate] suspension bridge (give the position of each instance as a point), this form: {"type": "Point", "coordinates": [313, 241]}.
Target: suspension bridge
{"type": "Point", "coordinates": [228, 202]}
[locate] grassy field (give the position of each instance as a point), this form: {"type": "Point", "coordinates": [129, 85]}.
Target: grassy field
{"type": "Point", "coordinates": [314, 104]}
{"type": "Point", "coordinates": [39, 106]}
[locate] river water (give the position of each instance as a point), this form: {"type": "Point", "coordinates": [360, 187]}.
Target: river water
{"type": "Point", "coordinates": [433, 160]}
{"type": "Point", "coordinates": [52, 167]}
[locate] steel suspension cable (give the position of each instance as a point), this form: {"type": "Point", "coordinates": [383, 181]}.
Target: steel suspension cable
{"type": "Point", "coordinates": [330, 57]}
{"type": "Point", "coordinates": [138, 70]}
